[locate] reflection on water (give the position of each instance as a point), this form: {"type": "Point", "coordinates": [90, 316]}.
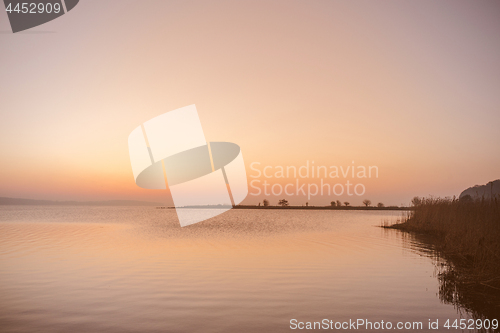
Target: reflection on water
{"type": "Point", "coordinates": [133, 269]}
{"type": "Point", "coordinates": [470, 299]}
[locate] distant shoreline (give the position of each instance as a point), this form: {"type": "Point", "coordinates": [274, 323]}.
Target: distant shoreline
{"type": "Point", "coordinates": [31, 202]}
{"type": "Point", "coordinates": [323, 207]}
{"type": "Point", "coordinates": [293, 207]}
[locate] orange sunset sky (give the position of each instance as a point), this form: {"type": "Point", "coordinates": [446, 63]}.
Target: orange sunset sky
{"type": "Point", "coordinates": [412, 87]}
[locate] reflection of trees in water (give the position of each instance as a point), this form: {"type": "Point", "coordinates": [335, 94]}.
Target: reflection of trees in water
{"type": "Point", "coordinates": [457, 283]}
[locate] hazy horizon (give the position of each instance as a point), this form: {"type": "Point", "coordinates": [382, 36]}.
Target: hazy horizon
{"type": "Point", "coordinates": [409, 87]}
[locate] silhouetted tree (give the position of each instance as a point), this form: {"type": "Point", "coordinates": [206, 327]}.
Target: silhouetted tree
{"type": "Point", "coordinates": [346, 203]}
{"type": "Point", "coordinates": [283, 203]}
{"type": "Point", "coordinates": [265, 202]}
{"type": "Point", "coordinates": [307, 204]}
{"type": "Point", "coordinates": [380, 204]}
{"type": "Point", "coordinates": [333, 203]}
{"type": "Point", "coordinates": [416, 201]}
{"type": "Point", "coordinates": [367, 202]}
{"type": "Point", "coordinates": [339, 203]}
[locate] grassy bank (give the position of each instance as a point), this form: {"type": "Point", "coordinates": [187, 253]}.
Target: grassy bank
{"type": "Point", "coordinates": [467, 234]}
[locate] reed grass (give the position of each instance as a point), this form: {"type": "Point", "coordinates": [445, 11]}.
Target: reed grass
{"type": "Point", "coordinates": [469, 230]}
{"type": "Point", "coordinates": [467, 234]}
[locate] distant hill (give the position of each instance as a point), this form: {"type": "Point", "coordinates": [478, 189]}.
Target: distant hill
{"type": "Point", "coordinates": [17, 201]}
{"type": "Point", "coordinates": [492, 189]}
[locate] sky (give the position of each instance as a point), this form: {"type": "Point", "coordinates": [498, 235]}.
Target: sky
{"type": "Point", "coordinates": [411, 87]}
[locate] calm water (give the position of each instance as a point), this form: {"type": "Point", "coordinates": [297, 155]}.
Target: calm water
{"type": "Point", "coordinates": [133, 269]}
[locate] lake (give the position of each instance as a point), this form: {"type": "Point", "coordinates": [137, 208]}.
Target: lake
{"type": "Point", "coordinates": [133, 269]}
